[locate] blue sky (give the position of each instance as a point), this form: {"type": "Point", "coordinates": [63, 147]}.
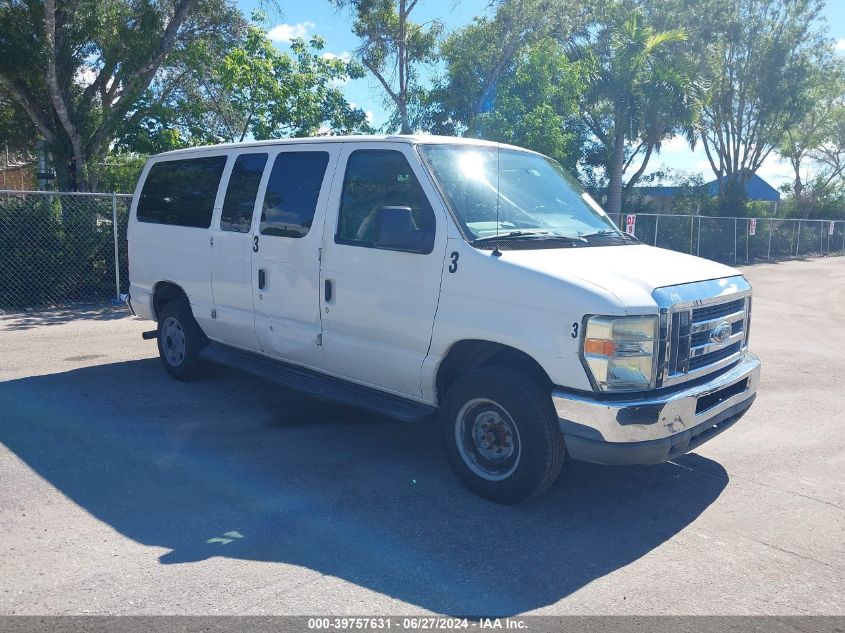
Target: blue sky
{"type": "Point", "coordinates": [305, 18]}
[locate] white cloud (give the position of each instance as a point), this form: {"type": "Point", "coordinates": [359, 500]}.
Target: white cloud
{"type": "Point", "coordinates": [344, 56]}
{"type": "Point", "coordinates": [840, 45]}
{"type": "Point", "coordinates": [284, 33]}
{"type": "Point", "coordinates": [775, 170]}
{"type": "Point", "coordinates": [674, 144]}
{"type": "Point", "coordinates": [704, 167]}
{"type": "Point", "coordinates": [369, 114]}
{"type": "Point", "coordinates": [85, 76]}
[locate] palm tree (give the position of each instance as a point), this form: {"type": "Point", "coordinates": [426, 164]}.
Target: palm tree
{"type": "Point", "coordinates": [642, 89]}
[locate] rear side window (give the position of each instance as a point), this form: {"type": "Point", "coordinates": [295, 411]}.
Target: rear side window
{"type": "Point", "coordinates": [181, 192]}
{"type": "Point", "coordinates": [241, 192]}
{"type": "Point", "coordinates": [376, 179]}
{"type": "Point", "coordinates": [292, 192]}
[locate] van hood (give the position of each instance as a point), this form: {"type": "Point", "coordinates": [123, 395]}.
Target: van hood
{"type": "Point", "coordinates": [629, 272]}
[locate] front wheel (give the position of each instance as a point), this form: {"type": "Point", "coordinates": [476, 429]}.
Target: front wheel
{"type": "Point", "coordinates": [501, 434]}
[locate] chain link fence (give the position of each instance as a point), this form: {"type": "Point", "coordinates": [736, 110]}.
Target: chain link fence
{"type": "Point", "coordinates": [736, 240]}
{"type": "Point", "coordinates": [59, 249]}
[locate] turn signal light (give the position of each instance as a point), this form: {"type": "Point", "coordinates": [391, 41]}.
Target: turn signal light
{"type": "Point", "coordinates": [600, 347]}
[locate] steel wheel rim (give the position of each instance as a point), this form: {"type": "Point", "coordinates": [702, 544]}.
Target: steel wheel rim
{"type": "Point", "coordinates": [487, 439]}
{"type": "Point", "coordinates": [173, 344]}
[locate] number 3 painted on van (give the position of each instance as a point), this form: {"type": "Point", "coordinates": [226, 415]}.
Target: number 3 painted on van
{"type": "Point", "coordinates": [255, 244]}
{"type": "Point", "coordinates": [453, 267]}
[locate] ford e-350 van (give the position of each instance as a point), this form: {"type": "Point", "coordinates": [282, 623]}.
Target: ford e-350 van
{"type": "Point", "coordinates": [471, 287]}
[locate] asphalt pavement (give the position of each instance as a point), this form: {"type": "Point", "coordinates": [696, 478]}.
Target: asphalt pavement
{"type": "Point", "coordinates": [123, 491]}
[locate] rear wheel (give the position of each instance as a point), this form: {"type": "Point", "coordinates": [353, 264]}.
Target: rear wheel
{"type": "Point", "coordinates": [180, 341]}
{"type": "Point", "coordinates": [501, 434]}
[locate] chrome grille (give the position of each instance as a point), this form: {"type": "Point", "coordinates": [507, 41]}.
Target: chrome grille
{"type": "Point", "coordinates": [718, 310]}
{"type": "Point", "coordinates": [703, 328]}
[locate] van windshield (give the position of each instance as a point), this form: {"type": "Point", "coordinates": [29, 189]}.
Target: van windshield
{"type": "Point", "coordinates": [514, 193]}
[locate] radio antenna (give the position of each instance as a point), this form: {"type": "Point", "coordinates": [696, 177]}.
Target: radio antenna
{"type": "Point", "coordinates": [496, 252]}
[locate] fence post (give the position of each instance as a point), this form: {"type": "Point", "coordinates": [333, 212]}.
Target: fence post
{"type": "Point", "coordinates": [656, 224]}
{"type": "Point", "coordinates": [735, 242]}
{"type": "Point", "coordinates": [798, 238]}
{"type": "Point", "coordinates": [691, 227]}
{"type": "Point", "coordinates": [821, 237]}
{"type": "Point", "coordinates": [116, 249]}
{"type": "Point", "coordinates": [769, 255]}
{"type": "Point", "coordinates": [698, 239]}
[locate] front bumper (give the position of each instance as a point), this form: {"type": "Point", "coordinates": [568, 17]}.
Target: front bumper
{"type": "Point", "coordinates": [651, 430]}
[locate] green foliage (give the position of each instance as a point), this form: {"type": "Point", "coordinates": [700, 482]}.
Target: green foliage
{"type": "Point", "coordinates": [536, 105]}
{"type": "Point", "coordinates": [641, 90]}
{"type": "Point", "coordinates": [273, 94]}
{"type": "Point", "coordinates": [393, 48]}
{"type": "Point", "coordinates": [253, 90]}
{"type": "Point", "coordinates": [118, 173]}
{"type": "Point", "coordinates": [759, 59]}
{"type": "Point", "coordinates": [815, 146]}
{"type": "Point", "coordinates": [480, 57]}
{"type": "Point", "coordinates": [55, 252]}
{"type": "Point", "coordinates": [80, 70]}
{"type": "Point", "coordinates": [16, 130]}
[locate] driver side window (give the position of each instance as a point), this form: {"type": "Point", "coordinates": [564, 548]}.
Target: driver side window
{"type": "Point", "coordinates": [379, 188]}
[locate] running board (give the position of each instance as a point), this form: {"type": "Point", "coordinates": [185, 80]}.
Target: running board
{"type": "Point", "coordinates": [317, 385]}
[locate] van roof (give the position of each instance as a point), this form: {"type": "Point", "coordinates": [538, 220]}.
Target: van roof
{"type": "Point", "coordinates": [413, 139]}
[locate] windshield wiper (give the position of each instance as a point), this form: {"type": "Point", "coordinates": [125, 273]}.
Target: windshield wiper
{"type": "Point", "coordinates": [611, 233]}
{"type": "Point", "coordinates": [508, 235]}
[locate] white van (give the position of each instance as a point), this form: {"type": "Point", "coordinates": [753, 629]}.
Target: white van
{"type": "Point", "coordinates": [461, 284]}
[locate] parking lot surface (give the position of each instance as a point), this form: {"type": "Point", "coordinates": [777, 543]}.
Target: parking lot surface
{"type": "Point", "coordinates": [125, 492]}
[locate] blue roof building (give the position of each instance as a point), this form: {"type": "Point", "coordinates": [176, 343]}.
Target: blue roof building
{"type": "Point", "coordinates": [755, 189]}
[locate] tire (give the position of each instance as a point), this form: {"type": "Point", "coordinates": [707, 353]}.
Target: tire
{"type": "Point", "coordinates": [180, 341]}
{"type": "Point", "coordinates": [501, 434]}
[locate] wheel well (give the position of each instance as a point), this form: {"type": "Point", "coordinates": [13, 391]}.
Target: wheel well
{"type": "Point", "coordinates": [165, 292]}
{"type": "Point", "coordinates": [466, 356]}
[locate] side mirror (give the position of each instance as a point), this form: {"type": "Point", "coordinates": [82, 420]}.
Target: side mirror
{"type": "Point", "coordinates": [396, 231]}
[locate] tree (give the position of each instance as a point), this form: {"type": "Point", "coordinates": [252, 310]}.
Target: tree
{"type": "Point", "coordinates": [16, 130]}
{"type": "Point", "coordinates": [536, 105]}
{"type": "Point", "coordinates": [815, 147]}
{"type": "Point", "coordinates": [257, 91]}
{"type": "Point", "coordinates": [270, 94]}
{"type": "Point", "coordinates": [641, 90]}
{"type": "Point", "coordinates": [79, 68]}
{"type": "Point", "coordinates": [757, 57]}
{"type": "Point", "coordinates": [479, 56]}
{"type": "Point", "coordinates": [392, 48]}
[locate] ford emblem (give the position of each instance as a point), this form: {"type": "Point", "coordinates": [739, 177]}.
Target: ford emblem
{"type": "Point", "coordinates": [721, 333]}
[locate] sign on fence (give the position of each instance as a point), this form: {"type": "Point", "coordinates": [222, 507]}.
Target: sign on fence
{"type": "Point", "coordinates": [752, 226]}
{"type": "Point", "coordinates": [630, 223]}
{"type": "Point", "coordinates": [830, 228]}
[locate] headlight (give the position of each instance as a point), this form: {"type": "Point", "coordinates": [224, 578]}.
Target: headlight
{"type": "Point", "coordinates": [619, 352]}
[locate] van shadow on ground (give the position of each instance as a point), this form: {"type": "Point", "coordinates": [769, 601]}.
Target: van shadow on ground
{"type": "Point", "coordinates": [361, 498]}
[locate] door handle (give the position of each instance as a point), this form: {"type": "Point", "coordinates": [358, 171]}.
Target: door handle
{"type": "Point", "coordinates": [328, 290]}
{"type": "Point", "coordinates": [262, 278]}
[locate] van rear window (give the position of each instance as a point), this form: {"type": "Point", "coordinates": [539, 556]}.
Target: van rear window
{"type": "Point", "coordinates": [181, 192]}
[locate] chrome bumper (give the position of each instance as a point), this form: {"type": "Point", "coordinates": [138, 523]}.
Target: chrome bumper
{"type": "Point", "coordinates": [656, 429]}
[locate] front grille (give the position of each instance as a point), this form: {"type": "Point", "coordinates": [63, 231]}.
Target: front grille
{"type": "Point", "coordinates": [714, 357]}
{"type": "Point", "coordinates": [695, 339]}
{"type": "Point", "coordinates": [721, 309]}
{"type": "Point", "coordinates": [701, 338]}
